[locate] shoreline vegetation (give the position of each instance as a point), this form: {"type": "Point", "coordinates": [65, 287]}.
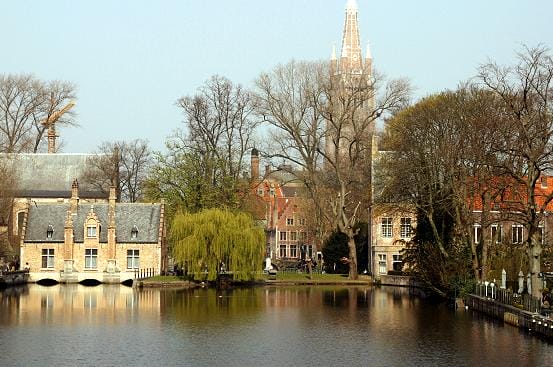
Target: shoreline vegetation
{"type": "Point", "coordinates": [173, 281]}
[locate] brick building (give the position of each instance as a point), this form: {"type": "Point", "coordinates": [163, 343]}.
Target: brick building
{"type": "Point", "coordinates": [284, 213]}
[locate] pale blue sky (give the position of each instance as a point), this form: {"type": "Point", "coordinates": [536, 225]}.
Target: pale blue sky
{"type": "Point", "coordinates": [131, 60]}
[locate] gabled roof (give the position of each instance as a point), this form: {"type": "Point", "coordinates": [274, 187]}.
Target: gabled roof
{"type": "Point", "coordinates": [146, 218]}
{"type": "Point", "coordinates": [51, 175]}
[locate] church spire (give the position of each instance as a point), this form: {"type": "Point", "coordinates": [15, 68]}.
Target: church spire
{"type": "Point", "coordinates": [351, 59]}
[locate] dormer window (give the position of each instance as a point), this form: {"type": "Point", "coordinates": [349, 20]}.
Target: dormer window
{"type": "Point", "coordinates": [134, 233]}
{"type": "Point", "coordinates": [50, 231]}
{"type": "Point", "coordinates": [91, 231]}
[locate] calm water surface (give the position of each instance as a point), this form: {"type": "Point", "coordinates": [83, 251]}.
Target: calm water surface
{"type": "Point", "coordinates": [267, 326]}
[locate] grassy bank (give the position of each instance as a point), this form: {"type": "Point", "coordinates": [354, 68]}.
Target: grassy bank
{"type": "Point", "coordinates": [281, 278]}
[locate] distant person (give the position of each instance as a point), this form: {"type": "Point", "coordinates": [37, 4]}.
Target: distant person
{"type": "Point", "coordinates": [26, 267]}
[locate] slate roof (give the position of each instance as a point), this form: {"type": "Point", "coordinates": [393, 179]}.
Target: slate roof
{"type": "Point", "coordinates": [146, 218]}
{"type": "Point", "coordinates": [51, 175]}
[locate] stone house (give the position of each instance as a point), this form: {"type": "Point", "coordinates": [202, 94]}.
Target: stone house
{"type": "Point", "coordinates": [104, 241]}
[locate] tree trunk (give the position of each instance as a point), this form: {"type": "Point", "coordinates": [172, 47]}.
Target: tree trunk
{"type": "Point", "coordinates": [534, 264]}
{"type": "Point", "coordinates": [352, 257]}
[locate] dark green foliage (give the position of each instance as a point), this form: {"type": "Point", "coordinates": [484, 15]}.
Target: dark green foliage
{"type": "Point", "coordinates": [443, 275]}
{"type": "Point", "coordinates": [336, 247]}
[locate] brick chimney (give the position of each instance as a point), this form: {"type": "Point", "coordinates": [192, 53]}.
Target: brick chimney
{"type": "Point", "coordinates": [255, 164]}
{"type": "Point", "coordinates": [74, 196]}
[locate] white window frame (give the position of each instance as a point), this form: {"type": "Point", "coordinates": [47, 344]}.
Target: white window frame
{"type": "Point", "coordinates": [382, 264]}
{"type": "Point", "coordinates": [91, 258]}
{"type": "Point", "coordinates": [91, 231]}
{"type": "Point", "coordinates": [405, 227]}
{"type": "Point", "coordinates": [282, 251]}
{"type": "Point", "coordinates": [48, 258]}
{"type": "Point", "coordinates": [133, 259]}
{"type": "Point", "coordinates": [499, 231]}
{"type": "Point", "coordinates": [283, 235]}
{"type": "Point", "coordinates": [290, 221]}
{"type": "Point", "coordinates": [397, 258]}
{"type": "Point", "coordinates": [293, 251]}
{"type": "Point", "coordinates": [477, 233]}
{"type": "Point", "coordinates": [386, 227]}
{"type": "Point", "coordinates": [517, 233]}
{"type": "Point", "coordinates": [293, 236]}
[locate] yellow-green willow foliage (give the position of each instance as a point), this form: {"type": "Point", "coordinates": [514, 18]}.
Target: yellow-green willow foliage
{"type": "Point", "coordinates": [202, 240]}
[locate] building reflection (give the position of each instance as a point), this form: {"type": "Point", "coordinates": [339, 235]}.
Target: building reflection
{"type": "Point", "coordinates": [72, 304]}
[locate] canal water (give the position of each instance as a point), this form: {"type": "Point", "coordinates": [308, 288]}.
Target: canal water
{"type": "Point", "coordinates": [74, 325]}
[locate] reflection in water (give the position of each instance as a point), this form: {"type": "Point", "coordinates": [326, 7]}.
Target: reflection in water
{"type": "Point", "coordinates": [268, 326]}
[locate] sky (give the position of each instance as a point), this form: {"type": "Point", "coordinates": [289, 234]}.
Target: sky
{"type": "Point", "coordinates": [132, 59]}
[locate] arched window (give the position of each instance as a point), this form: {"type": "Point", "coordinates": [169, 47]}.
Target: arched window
{"type": "Point", "coordinates": [134, 233]}
{"type": "Point", "coordinates": [50, 231]}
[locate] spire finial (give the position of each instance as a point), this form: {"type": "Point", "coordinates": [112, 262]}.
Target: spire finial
{"type": "Point", "coordinates": [351, 5]}
{"type": "Point", "coordinates": [368, 54]}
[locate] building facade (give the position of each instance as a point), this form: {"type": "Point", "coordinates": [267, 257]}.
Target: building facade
{"type": "Point", "coordinates": [285, 212]}
{"type": "Point", "coordinates": [109, 242]}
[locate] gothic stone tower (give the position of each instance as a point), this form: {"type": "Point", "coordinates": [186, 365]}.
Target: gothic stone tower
{"type": "Point", "coordinates": [351, 85]}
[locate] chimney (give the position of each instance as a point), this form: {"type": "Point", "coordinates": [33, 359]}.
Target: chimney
{"type": "Point", "coordinates": [267, 170]}
{"type": "Point", "coordinates": [111, 227]}
{"type": "Point", "coordinates": [74, 201]}
{"type": "Point", "coordinates": [255, 164]}
{"type": "Point", "coordinates": [68, 238]}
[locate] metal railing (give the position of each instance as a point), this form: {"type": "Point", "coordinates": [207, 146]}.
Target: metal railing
{"type": "Point", "coordinates": [526, 302]}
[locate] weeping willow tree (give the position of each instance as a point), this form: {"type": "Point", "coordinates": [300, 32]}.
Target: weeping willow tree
{"type": "Point", "coordinates": [202, 241]}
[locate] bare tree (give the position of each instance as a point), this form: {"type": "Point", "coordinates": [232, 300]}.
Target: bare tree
{"type": "Point", "coordinates": [8, 180]}
{"type": "Point", "coordinates": [441, 162]}
{"type": "Point", "coordinates": [25, 104]}
{"type": "Point", "coordinates": [525, 153]}
{"type": "Point", "coordinates": [324, 125]}
{"type": "Point", "coordinates": [124, 165]}
{"type": "Point", "coordinates": [219, 125]}
{"type": "Point", "coordinates": [205, 161]}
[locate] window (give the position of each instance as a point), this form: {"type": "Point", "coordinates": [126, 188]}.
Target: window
{"type": "Point", "coordinates": [48, 258]}
{"type": "Point", "coordinates": [293, 251]}
{"type": "Point", "coordinates": [497, 233]}
{"type": "Point", "coordinates": [387, 227]}
{"type": "Point", "coordinates": [260, 191]}
{"type": "Point", "coordinates": [282, 252]}
{"type": "Point", "coordinates": [310, 251]}
{"type": "Point", "coordinates": [134, 233]}
{"type": "Point", "coordinates": [477, 233]}
{"type": "Point", "coordinates": [20, 219]}
{"type": "Point", "coordinates": [50, 231]}
{"type": "Point", "coordinates": [90, 258]}
{"type": "Point", "coordinates": [133, 259]}
{"type": "Point", "coordinates": [289, 221]}
{"type": "Point", "coordinates": [382, 267]}
{"type": "Point", "coordinates": [91, 231]}
{"type": "Point", "coordinates": [517, 233]}
{"type": "Point", "coordinates": [302, 221]}
{"type": "Point", "coordinates": [293, 236]}
{"type": "Point", "coordinates": [272, 191]}
{"type": "Point", "coordinates": [405, 228]}
{"type": "Point", "coordinates": [303, 236]}
{"type": "Point", "coordinates": [397, 263]}
{"type": "Point", "coordinates": [540, 234]}
{"type": "Point", "coordinates": [282, 236]}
